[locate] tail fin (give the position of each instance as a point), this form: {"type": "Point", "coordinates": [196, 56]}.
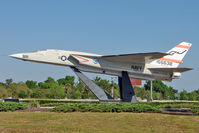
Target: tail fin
{"type": "Point", "coordinates": [175, 56]}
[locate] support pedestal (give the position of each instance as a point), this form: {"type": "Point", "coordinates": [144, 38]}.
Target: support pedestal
{"type": "Point", "coordinates": [127, 93]}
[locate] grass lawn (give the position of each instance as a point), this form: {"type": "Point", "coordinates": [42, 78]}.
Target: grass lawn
{"type": "Point", "coordinates": [18, 122]}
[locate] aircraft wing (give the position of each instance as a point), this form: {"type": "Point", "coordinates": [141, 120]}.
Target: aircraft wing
{"type": "Point", "coordinates": [172, 69]}
{"type": "Point", "coordinates": [140, 58]}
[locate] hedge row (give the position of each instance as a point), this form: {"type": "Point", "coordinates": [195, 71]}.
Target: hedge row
{"type": "Point", "coordinates": [154, 104]}
{"type": "Point", "coordinates": [94, 107]}
{"type": "Point", "coordinates": [54, 101]}
{"type": "Point", "coordinates": [175, 104]}
{"type": "Point", "coordinates": [12, 106]}
{"type": "Point", "coordinates": [195, 110]}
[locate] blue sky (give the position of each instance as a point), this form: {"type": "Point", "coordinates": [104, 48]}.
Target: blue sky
{"type": "Point", "coordinates": [97, 26]}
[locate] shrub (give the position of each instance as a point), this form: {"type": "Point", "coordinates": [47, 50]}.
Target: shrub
{"type": "Point", "coordinates": [195, 110]}
{"type": "Point", "coordinates": [95, 107]}
{"type": "Point", "coordinates": [12, 106]}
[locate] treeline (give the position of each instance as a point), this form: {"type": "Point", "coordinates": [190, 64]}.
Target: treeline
{"type": "Point", "coordinates": [52, 89]}
{"type": "Point", "coordinates": [69, 88]}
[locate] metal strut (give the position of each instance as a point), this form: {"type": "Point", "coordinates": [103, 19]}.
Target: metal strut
{"type": "Point", "coordinates": [97, 91]}
{"type": "Point", "coordinates": [127, 93]}
{"type": "Point", "coordinates": [151, 90]}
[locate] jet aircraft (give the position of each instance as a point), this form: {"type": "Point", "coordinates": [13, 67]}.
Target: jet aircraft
{"type": "Point", "coordinates": [144, 66]}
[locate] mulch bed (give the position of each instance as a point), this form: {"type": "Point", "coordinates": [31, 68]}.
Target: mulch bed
{"type": "Point", "coordinates": [177, 111]}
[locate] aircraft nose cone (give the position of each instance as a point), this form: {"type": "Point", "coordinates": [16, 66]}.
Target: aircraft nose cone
{"type": "Point", "coordinates": [18, 56]}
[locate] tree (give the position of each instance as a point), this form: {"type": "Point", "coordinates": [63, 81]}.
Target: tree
{"type": "Point", "coordinates": [67, 83]}
{"type": "Point", "coordinates": [49, 83]}
{"type": "Point", "coordinates": [50, 80]}
{"type": "Point", "coordinates": [44, 85]}
{"type": "Point", "coordinates": [36, 94]}
{"type": "Point", "coordinates": [81, 91]}
{"type": "Point", "coordinates": [12, 89]}
{"type": "Point", "coordinates": [61, 81]}
{"type": "Point", "coordinates": [184, 95]}
{"type": "Point", "coordinates": [104, 84]}
{"type": "Point", "coordinates": [76, 95]}
{"type": "Point", "coordinates": [197, 94]}
{"type": "Point", "coordinates": [2, 84]}
{"type": "Point", "coordinates": [29, 93]}
{"type": "Point", "coordinates": [22, 94]}
{"type": "Point", "coordinates": [165, 91]}
{"type": "Point", "coordinates": [3, 92]}
{"type": "Point", "coordinates": [56, 92]}
{"type": "Point", "coordinates": [192, 96]}
{"type": "Point", "coordinates": [31, 84]}
{"type": "Point", "coordinates": [16, 88]}
{"type": "Point", "coordinates": [9, 82]}
{"type": "Point", "coordinates": [142, 93]}
{"type": "Point", "coordinates": [107, 85]}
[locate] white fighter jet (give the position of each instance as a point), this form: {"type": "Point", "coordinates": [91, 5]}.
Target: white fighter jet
{"type": "Point", "coordinates": [145, 66]}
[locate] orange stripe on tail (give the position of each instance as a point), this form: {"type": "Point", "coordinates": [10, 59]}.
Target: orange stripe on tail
{"type": "Point", "coordinates": [182, 46]}
{"type": "Point", "coordinates": [171, 60]}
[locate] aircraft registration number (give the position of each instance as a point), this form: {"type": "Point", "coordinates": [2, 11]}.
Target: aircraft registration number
{"type": "Point", "coordinates": [167, 63]}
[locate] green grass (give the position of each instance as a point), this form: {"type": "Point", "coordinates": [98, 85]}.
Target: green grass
{"type": "Point", "coordinates": [15, 122]}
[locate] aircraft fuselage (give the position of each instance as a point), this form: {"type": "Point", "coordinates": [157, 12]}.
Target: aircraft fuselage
{"type": "Point", "coordinates": [93, 63]}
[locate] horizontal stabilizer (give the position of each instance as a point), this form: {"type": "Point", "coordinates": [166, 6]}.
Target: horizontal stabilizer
{"type": "Point", "coordinates": [171, 69]}
{"type": "Point", "coordinates": [135, 58]}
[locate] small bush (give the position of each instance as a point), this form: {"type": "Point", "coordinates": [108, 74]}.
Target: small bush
{"type": "Point", "coordinates": [12, 106]}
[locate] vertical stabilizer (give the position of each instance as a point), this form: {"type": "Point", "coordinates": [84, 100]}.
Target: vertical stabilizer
{"type": "Point", "coordinates": [175, 56]}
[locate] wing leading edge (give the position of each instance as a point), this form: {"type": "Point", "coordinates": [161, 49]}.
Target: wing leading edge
{"type": "Point", "coordinates": [140, 58]}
